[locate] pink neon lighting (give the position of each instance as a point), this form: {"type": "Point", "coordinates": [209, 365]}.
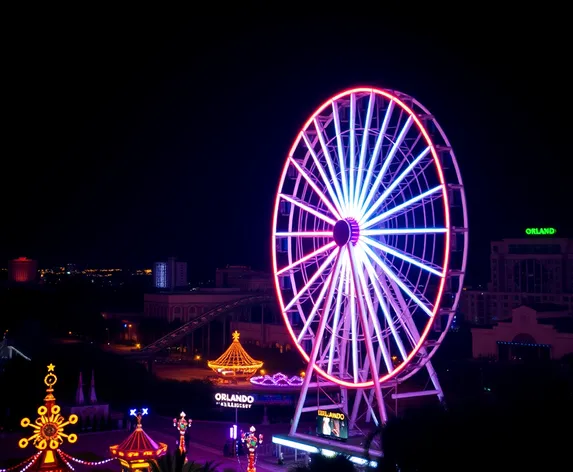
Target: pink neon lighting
{"type": "Point", "coordinates": [351, 199]}
{"type": "Point", "coordinates": [277, 380]}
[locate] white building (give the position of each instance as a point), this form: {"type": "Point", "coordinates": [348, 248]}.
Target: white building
{"type": "Point", "coordinates": [535, 269]}
{"type": "Point", "coordinates": [170, 275]}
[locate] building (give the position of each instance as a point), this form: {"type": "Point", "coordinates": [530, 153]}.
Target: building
{"type": "Point", "coordinates": [244, 278]}
{"type": "Point", "coordinates": [534, 332]}
{"type": "Point", "coordinates": [170, 274]}
{"type": "Point", "coordinates": [535, 269]}
{"type": "Point", "coordinates": [184, 306]}
{"type": "Point", "coordinates": [22, 270]}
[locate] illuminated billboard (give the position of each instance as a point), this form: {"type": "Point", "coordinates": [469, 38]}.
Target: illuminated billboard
{"type": "Point", "coordinates": [332, 424]}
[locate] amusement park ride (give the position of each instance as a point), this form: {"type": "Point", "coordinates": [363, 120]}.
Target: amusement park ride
{"type": "Point", "coordinates": [369, 254]}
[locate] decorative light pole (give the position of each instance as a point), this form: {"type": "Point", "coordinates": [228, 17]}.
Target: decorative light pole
{"type": "Point", "coordinates": [252, 442]}
{"type": "Point", "coordinates": [182, 424]}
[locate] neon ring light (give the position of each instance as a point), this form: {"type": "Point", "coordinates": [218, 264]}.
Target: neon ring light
{"type": "Point", "coordinates": [363, 235]}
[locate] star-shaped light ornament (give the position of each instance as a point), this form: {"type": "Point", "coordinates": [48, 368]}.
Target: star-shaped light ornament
{"type": "Point", "coordinates": [48, 429]}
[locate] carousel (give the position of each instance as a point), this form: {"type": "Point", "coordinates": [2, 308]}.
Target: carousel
{"type": "Point", "coordinates": [235, 361]}
{"type": "Point", "coordinates": [138, 451]}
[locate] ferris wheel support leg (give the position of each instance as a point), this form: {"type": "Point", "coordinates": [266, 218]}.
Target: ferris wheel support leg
{"type": "Point", "coordinates": [383, 417]}
{"type": "Point", "coordinates": [302, 397]}
{"type": "Point", "coordinates": [314, 351]}
{"type": "Point", "coordinates": [435, 381]}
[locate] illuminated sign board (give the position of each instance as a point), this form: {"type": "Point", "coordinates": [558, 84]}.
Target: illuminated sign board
{"type": "Point", "coordinates": [540, 231]}
{"type": "Point", "coordinates": [234, 400]}
{"type": "Point", "coordinates": [331, 424]}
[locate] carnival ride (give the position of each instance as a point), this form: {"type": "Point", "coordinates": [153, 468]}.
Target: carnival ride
{"type": "Point", "coordinates": [235, 361]}
{"type": "Point", "coordinates": [138, 451]}
{"type": "Point", "coordinates": [369, 249]}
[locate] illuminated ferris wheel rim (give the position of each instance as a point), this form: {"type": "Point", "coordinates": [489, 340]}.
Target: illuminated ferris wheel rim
{"type": "Point", "coordinates": [392, 98]}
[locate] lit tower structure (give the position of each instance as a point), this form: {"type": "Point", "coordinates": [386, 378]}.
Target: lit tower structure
{"type": "Point", "coordinates": [182, 424]}
{"type": "Point", "coordinates": [48, 432]}
{"type": "Point", "coordinates": [138, 451]}
{"type": "Point", "coordinates": [235, 361]}
{"type": "Point", "coordinates": [252, 442]}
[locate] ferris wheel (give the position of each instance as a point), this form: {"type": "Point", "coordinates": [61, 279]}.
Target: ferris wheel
{"type": "Point", "coordinates": [369, 242]}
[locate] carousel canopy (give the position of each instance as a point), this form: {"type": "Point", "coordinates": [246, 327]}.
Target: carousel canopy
{"type": "Point", "coordinates": [235, 361]}
{"type": "Point", "coordinates": [138, 445]}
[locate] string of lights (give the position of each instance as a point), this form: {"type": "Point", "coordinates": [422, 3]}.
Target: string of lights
{"type": "Point", "coordinates": [65, 460]}
{"type": "Point", "coordinates": [29, 462]}
{"type": "Point", "coordinates": [65, 455]}
{"type": "Point", "coordinates": [277, 380]}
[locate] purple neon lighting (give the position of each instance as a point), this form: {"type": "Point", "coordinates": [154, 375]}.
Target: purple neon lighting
{"type": "Point", "coordinates": [363, 176]}
{"type": "Point", "coordinates": [277, 380]}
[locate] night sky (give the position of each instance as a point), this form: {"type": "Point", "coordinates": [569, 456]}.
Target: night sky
{"type": "Point", "coordinates": [132, 137]}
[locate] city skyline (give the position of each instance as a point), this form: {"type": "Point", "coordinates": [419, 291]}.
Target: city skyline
{"type": "Point", "coordinates": [180, 148]}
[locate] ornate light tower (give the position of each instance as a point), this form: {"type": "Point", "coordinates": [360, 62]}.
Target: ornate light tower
{"type": "Point", "coordinates": [48, 429]}
{"type": "Point", "coordinates": [182, 424]}
{"type": "Point", "coordinates": [252, 442]}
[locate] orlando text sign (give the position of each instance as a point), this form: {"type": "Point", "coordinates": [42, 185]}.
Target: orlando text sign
{"type": "Point", "coordinates": [234, 400]}
{"type": "Point", "coordinates": [540, 231]}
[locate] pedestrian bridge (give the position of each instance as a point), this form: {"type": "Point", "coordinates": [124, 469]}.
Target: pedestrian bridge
{"type": "Point", "coordinates": [180, 333]}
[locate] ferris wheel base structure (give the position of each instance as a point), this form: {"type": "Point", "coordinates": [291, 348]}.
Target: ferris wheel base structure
{"type": "Point", "coordinates": [369, 247]}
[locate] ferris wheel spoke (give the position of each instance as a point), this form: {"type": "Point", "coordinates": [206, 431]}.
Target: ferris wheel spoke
{"type": "Point", "coordinates": [336, 320]}
{"type": "Point", "coordinates": [407, 205]}
{"type": "Point", "coordinates": [364, 147]}
{"type": "Point", "coordinates": [340, 152]}
{"type": "Point", "coordinates": [327, 312]}
{"type": "Point", "coordinates": [334, 209]}
{"type": "Point", "coordinates": [429, 267]}
{"type": "Point", "coordinates": [375, 153]}
{"type": "Point", "coordinates": [304, 206]}
{"type": "Point", "coordinates": [322, 172]}
{"type": "Point", "coordinates": [311, 281]}
{"type": "Point", "coordinates": [396, 279]}
{"type": "Point", "coordinates": [353, 320]}
{"type": "Point", "coordinates": [306, 258]}
{"type": "Point", "coordinates": [363, 316]}
{"type": "Point", "coordinates": [382, 303]}
{"type": "Point", "coordinates": [352, 149]}
{"type": "Point", "coordinates": [395, 182]}
{"type": "Point", "coordinates": [304, 234]}
{"type": "Point", "coordinates": [387, 160]}
{"type": "Point", "coordinates": [330, 164]}
{"type": "Point", "coordinates": [330, 280]}
{"type": "Point", "coordinates": [393, 295]}
{"type": "Point", "coordinates": [372, 312]}
{"type": "Point", "coordinates": [406, 317]}
{"type": "Point", "coordinates": [398, 231]}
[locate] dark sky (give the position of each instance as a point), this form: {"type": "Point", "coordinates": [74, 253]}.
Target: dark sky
{"type": "Point", "coordinates": [129, 137]}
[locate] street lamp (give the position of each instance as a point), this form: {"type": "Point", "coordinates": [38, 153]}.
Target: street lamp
{"type": "Point", "coordinates": [252, 442]}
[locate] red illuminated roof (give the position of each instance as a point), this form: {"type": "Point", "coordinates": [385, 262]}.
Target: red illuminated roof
{"type": "Point", "coordinates": [138, 445]}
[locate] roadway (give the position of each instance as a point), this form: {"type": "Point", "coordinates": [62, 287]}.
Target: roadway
{"type": "Point", "coordinates": [205, 443]}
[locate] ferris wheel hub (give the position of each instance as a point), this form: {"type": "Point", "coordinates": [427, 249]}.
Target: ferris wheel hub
{"type": "Point", "coordinates": [346, 231]}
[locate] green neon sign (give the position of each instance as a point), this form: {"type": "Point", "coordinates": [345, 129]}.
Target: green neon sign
{"type": "Point", "coordinates": [540, 231]}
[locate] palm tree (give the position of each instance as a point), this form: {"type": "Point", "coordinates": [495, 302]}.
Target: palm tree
{"type": "Point", "coordinates": [175, 463]}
